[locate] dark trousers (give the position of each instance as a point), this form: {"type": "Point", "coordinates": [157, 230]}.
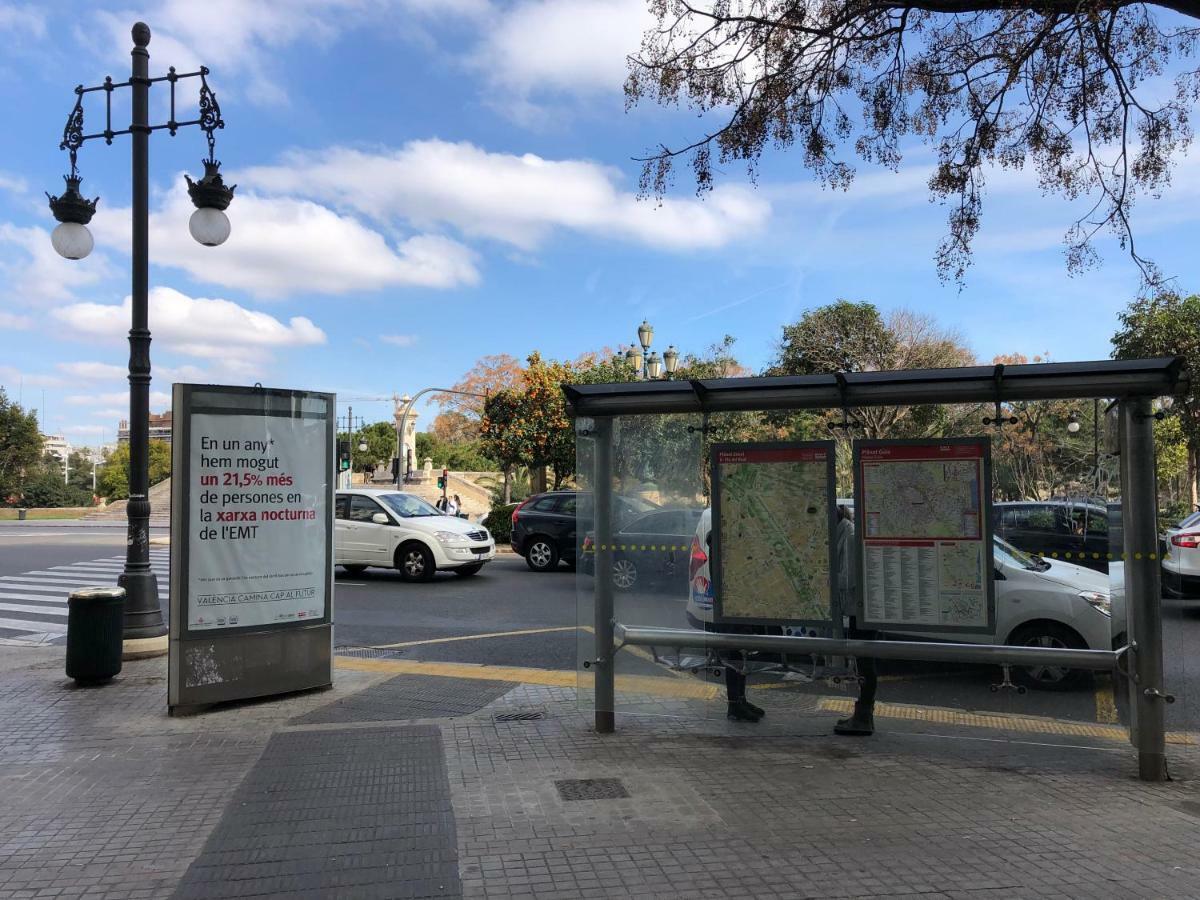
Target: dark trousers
{"type": "Point", "coordinates": [866, 666]}
{"type": "Point", "coordinates": [735, 681]}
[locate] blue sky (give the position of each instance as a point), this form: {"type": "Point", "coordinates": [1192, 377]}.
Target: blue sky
{"type": "Point", "coordinates": [423, 182]}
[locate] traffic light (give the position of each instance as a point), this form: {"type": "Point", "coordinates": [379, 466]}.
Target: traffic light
{"type": "Point", "coordinates": [444, 479]}
{"type": "Point", "coordinates": [343, 453]}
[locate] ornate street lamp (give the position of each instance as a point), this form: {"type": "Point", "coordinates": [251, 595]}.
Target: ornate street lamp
{"type": "Point", "coordinates": [633, 356]}
{"type": "Point", "coordinates": [1073, 424]}
{"type": "Point", "coordinates": [144, 632]}
{"type": "Point", "coordinates": [671, 359]}
{"type": "Point", "coordinates": [654, 365]}
{"type": "Point", "coordinates": [645, 334]}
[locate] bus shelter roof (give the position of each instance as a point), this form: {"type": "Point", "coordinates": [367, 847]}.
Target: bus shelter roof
{"type": "Point", "coordinates": [1113, 379]}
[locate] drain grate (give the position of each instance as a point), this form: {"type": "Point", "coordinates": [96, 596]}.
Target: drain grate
{"type": "Point", "coordinates": [591, 789]}
{"type": "Point", "coordinates": [369, 652]}
{"type": "Point", "coordinates": [528, 715]}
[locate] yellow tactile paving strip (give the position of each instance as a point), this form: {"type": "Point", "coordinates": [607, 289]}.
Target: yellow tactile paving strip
{"type": "Point", "coordinates": [942, 715]}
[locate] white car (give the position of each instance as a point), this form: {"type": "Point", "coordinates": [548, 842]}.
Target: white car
{"type": "Point", "coordinates": [1181, 557]}
{"type": "Point", "coordinates": [1039, 603]}
{"type": "Point", "coordinates": [401, 531]}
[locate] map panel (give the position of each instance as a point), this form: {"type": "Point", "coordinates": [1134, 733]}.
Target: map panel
{"type": "Point", "coordinates": [774, 510]}
{"type": "Point", "coordinates": [922, 516]}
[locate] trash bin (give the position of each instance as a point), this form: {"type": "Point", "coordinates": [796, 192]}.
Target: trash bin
{"type": "Point", "coordinates": [95, 625]}
{"type": "Point", "coordinates": [20, 515]}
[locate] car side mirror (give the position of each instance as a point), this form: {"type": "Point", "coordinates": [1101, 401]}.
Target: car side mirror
{"type": "Point", "coordinates": [379, 519]}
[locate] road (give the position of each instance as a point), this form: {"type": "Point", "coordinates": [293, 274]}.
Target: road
{"type": "Point", "coordinates": [509, 616]}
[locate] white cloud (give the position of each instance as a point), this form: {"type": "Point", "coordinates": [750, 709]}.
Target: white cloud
{"type": "Point", "coordinates": [13, 376]}
{"type": "Point", "coordinates": [158, 400]}
{"type": "Point", "coordinates": [542, 46]}
{"type": "Point", "coordinates": [237, 339]}
{"type": "Point", "coordinates": [13, 184]}
{"type": "Point", "coordinates": [519, 200]}
{"type": "Point", "coordinates": [282, 245]}
{"type": "Point", "coordinates": [21, 17]}
{"type": "Point", "coordinates": [85, 430]}
{"type": "Point", "coordinates": [399, 340]}
{"type": "Point", "coordinates": [11, 322]}
{"type": "Point", "coordinates": [33, 271]}
{"type": "Point", "coordinates": [96, 371]}
{"type": "Point", "coordinates": [112, 413]}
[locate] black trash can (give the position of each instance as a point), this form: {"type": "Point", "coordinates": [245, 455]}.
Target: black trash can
{"type": "Point", "coordinates": [95, 627]}
{"type": "Point", "coordinates": [20, 515]}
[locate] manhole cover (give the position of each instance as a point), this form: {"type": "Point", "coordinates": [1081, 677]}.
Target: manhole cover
{"type": "Point", "coordinates": [591, 789]}
{"type": "Point", "coordinates": [528, 715]}
{"type": "Point", "coordinates": [369, 652]}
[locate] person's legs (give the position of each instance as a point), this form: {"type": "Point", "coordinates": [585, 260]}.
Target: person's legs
{"type": "Point", "coordinates": [738, 708]}
{"type": "Point", "coordinates": [862, 721]}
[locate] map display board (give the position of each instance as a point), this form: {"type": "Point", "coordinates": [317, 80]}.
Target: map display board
{"type": "Point", "coordinates": [773, 533]}
{"type": "Point", "coordinates": [251, 543]}
{"type": "Point", "coordinates": [923, 512]}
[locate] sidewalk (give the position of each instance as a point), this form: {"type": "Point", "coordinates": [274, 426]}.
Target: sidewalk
{"type": "Point", "coordinates": [403, 783]}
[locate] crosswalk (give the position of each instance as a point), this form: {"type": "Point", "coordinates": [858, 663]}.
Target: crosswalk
{"type": "Point", "coordinates": [33, 605]}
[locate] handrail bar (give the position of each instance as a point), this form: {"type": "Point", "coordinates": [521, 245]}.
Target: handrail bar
{"type": "Point", "coordinates": [999, 654]}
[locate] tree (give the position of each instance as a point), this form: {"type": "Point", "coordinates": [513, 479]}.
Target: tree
{"type": "Point", "coordinates": [1072, 87]}
{"type": "Point", "coordinates": [853, 337]}
{"type": "Point", "coordinates": [381, 445]}
{"type": "Point", "coordinates": [1168, 325]}
{"type": "Point", "coordinates": [489, 375]}
{"type": "Point", "coordinates": [20, 446]}
{"type": "Point", "coordinates": [112, 480]}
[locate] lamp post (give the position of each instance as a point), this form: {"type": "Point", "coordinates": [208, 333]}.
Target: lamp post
{"type": "Point", "coordinates": [145, 634]}
{"type": "Point", "coordinates": [362, 443]}
{"type": "Point", "coordinates": [649, 366]}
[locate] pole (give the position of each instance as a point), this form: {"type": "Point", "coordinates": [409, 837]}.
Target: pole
{"type": "Point", "coordinates": [1142, 589]}
{"type": "Point", "coordinates": [1096, 443]}
{"type": "Point", "coordinates": [603, 665]}
{"type": "Point", "coordinates": [144, 628]}
{"type": "Point", "coordinates": [350, 445]}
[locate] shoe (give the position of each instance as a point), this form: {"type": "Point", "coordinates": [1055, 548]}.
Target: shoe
{"type": "Point", "coordinates": [757, 710]}
{"type": "Point", "coordinates": [861, 724]}
{"type": "Point", "coordinates": [740, 711]}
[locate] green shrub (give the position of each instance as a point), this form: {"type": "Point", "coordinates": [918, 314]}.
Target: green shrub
{"type": "Point", "coordinates": [499, 522]}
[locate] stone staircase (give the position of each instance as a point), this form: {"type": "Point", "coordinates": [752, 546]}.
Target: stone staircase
{"type": "Point", "coordinates": [476, 499]}
{"type": "Point", "coordinates": [160, 507]}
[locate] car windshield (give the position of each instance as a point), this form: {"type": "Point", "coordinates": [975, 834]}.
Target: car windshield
{"type": "Point", "coordinates": [406, 506]}
{"type": "Point", "coordinates": [1007, 553]}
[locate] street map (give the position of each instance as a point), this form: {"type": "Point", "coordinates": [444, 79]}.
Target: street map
{"type": "Point", "coordinates": [774, 532]}
{"type": "Point", "coordinates": [924, 550]}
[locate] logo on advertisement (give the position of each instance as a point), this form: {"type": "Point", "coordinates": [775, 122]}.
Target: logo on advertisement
{"type": "Point", "coordinates": [220, 620]}
{"type": "Point", "coordinates": [233, 620]}
{"type": "Point", "coordinates": [302, 614]}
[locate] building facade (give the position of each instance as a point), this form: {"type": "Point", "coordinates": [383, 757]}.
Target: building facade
{"type": "Point", "coordinates": [160, 428]}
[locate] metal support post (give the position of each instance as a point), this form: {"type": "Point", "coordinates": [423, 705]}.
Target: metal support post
{"type": "Point", "coordinates": [603, 665]}
{"type": "Point", "coordinates": [143, 615]}
{"type": "Point", "coordinates": [1143, 592]}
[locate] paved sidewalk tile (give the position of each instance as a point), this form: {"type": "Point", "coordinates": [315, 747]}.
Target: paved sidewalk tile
{"type": "Point", "coordinates": [364, 813]}
{"type": "Point", "coordinates": [410, 697]}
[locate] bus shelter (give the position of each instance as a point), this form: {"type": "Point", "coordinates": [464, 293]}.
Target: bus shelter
{"type": "Point", "coordinates": [708, 520]}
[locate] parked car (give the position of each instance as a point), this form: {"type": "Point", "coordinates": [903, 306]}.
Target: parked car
{"type": "Point", "coordinates": [1181, 557]}
{"type": "Point", "coordinates": [1075, 531]}
{"type": "Point", "coordinates": [651, 549]}
{"type": "Point", "coordinates": [392, 529]}
{"type": "Point", "coordinates": [1039, 603]}
{"type": "Point", "coordinates": [543, 527]}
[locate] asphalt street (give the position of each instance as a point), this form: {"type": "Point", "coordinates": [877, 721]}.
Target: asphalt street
{"type": "Point", "coordinates": [509, 616]}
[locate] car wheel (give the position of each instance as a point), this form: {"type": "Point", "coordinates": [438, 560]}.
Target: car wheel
{"type": "Point", "coordinates": [354, 570]}
{"type": "Point", "coordinates": [468, 571]}
{"type": "Point", "coordinates": [541, 555]}
{"type": "Point", "coordinates": [415, 562]}
{"type": "Point", "coordinates": [1048, 678]}
{"type": "Point", "coordinates": [625, 573]}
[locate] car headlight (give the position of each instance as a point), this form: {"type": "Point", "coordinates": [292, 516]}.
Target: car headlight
{"type": "Point", "coordinates": [1097, 600]}
{"type": "Point", "coordinates": [449, 537]}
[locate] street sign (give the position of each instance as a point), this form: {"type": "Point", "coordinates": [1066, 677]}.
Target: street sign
{"type": "Point", "coordinates": [251, 543]}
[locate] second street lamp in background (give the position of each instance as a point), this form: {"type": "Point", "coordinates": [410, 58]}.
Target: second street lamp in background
{"type": "Point", "coordinates": [649, 366]}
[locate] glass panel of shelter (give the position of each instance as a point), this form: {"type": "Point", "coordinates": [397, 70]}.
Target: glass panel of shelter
{"type": "Point", "coordinates": [661, 487]}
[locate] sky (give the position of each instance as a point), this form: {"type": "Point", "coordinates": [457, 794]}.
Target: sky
{"type": "Point", "coordinates": [425, 182]}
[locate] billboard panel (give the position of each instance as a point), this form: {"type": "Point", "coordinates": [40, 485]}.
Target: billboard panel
{"type": "Point", "coordinates": [251, 542]}
{"type": "Point", "coordinates": [923, 511]}
{"type": "Point", "coordinates": [773, 533]}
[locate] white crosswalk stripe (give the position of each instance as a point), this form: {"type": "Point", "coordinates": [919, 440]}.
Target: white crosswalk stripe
{"type": "Point", "coordinates": [33, 605]}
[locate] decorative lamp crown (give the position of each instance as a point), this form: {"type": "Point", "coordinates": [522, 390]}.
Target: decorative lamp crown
{"type": "Point", "coordinates": [71, 206]}
{"type": "Point", "coordinates": [210, 192]}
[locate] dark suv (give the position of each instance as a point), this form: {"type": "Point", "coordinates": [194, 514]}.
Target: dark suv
{"type": "Point", "coordinates": [543, 527]}
{"type": "Point", "coordinates": [1071, 530]}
